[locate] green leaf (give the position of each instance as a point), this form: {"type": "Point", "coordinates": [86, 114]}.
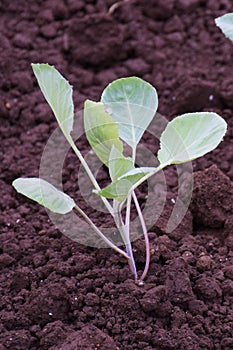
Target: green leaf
{"type": "Point", "coordinates": [120, 188]}
{"type": "Point", "coordinates": [58, 93]}
{"type": "Point", "coordinates": [225, 23]}
{"type": "Point", "coordinates": [118, 164]}
{"type": "Point", "coordinates": [45, 194]}
{"type": "Point", "coordinates": [101, 130]}
{"type": "Point", "coordinates": [138, 171]}
{"type": "Point", "coordinates": [132, 103]}
{"type": "Point", "coordinates": [190, 136]}
{"type": "Point", "coordinates": [117, 190]}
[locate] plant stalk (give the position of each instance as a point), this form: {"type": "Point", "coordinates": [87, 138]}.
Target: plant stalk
{"type": "Point", "coordinates": [124, 232]}
{"type": "Point", "coordinates": [146, 238]}
{"type": "Point", "coordinates": [126, 228]}
{"type": "Point", "coordinates": [128, 247]}
{"type": "Point", "coordinates": [100, 234]}
{"type": "Point", "coordinates": [147, 176]}
{"type": "Point", "coordinates": [90, 174]}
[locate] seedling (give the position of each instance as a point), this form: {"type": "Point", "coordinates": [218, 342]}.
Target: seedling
{"type": "Point", "coordinates": [127, 107]}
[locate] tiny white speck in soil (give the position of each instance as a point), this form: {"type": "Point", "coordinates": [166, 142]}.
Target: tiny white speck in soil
{"type": "Point", "coordinates": [211, 97]}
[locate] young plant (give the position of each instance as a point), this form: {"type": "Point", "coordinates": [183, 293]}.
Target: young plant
{"type": "Point", "coordinates": [127, 107]}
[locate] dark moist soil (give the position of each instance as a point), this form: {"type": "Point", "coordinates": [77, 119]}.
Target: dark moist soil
{"type": "Point", "coordinates": [58, 294]}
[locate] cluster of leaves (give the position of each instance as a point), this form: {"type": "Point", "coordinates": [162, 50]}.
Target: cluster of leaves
{"type": "Point", "coordinates": [127, 107]}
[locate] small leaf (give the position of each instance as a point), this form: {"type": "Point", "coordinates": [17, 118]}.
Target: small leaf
{"type": "Point", "coordinates": [116, 190]}
{"type": "Point", "coordinates": [118, 164]}
{"type": "Point", "coordinates": [119, 189]}
{"type": "Point", "coordinates": [137, 171]}
{"type": "Point", "coordinates": [225, 23]}
{"type": "Point", "coordinates": [101, 130]}
{"type": "Point", "coordinates": [132, 103]}
{"type": "Point", "coordinates": [58, 93]}
{"type": "Point", "coordinates": [45, 194]}
{"type": "Point", "coordinates": [190, 136]}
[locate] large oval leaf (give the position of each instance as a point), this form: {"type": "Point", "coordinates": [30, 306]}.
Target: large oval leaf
{"type": "Point", "coordinates": [132, 103]}
{"type": "Point", "coordinates": [101, 130]}
{"type": "Point", "coordinates": [45, 194]}
{"type": "Point", "coordinates": [58, 93]}
{"type": "Point", "coordinates": [225, 23]}
{"type": "Point", "coordinates": [190, 136]}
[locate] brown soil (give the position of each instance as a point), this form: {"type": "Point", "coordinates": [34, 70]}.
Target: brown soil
{"type": "Point", "coordinates": [57, 294]}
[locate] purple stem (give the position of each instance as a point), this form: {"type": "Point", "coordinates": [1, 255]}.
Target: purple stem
{"type": "Point", "coordinates": [144, 229]}
{"type": "Point", "coordinates": [132, 265]}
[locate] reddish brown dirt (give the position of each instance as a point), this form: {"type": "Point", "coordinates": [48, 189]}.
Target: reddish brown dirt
{"type": "Point", "coordinates": [56, 294]}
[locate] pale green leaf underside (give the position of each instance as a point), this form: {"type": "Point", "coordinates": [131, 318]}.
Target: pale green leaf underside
{"type": "Point", "coordinates": [101, 130]}
{"type": "Point", "coordinates": [190, 136]}
{"type": "Point", "coordinates": [120, 188]}
{"type": "Point", "coordinates": [58, 93]}
{"type": "Point", "coordinates": [132, 103]}
{"type": "Point", "coordinates": [45, 194]}
{"type": "Point", "coordinates": [225, 23]}
{"type": "Point", "coordinates": [118, 164]}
